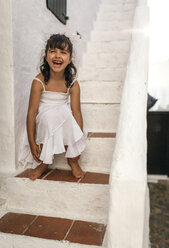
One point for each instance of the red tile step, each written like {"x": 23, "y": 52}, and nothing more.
{"x": 75, "y": 231}
{"x": 101, "y": 135}
{"x": 66, "y": 176}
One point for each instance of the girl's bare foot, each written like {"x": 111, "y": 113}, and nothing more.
{"x": 38, "y": 171}
{"x": 76, "y": 170}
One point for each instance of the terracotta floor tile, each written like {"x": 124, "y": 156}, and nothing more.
{"x": 101, "y": 135}
{"x": 87, "y": 233}
{"x": 49, "y": 228}
{"x": 61, "y": 175}
{"x": 96, "y": 178}
{"x": 45, "y": 173}
{"x": 15, "y": 223}
{"x": 25, "y": 173}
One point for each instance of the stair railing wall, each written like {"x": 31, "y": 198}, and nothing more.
{"x": 128, "y": 223}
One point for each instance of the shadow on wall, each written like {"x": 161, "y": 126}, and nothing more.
{"x": 151, "y": 101}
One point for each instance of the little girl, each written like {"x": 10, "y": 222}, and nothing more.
{"x": 52, "y": 127}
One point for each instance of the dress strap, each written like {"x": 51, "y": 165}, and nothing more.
{"x": 40, "y": 82}
{"x": 72, "y": 83}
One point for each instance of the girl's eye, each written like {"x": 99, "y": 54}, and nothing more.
{"x": 63, "y": 52}
{"x": 51, "y": 50}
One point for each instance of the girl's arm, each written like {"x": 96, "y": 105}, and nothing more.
{"x": 31, "y": 118}
{"x": 75, "y": 104}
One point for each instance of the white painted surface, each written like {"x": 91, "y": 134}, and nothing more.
{"x": 2, "y": 201}
{"x": 103, "y": 74}
{"x": 156, "y": 178}
{"x": 115, "y": 26}
{"x": 33, "y": 23}
{"x": 117, "y": 7}
{"x": 78, "y": 201}
{"x": 104, "y": 92}
{"x": 12, "y": 240}
{"x": 7, "y": 147}
{"x": 107, "y": 36}
{"x": 90, "y": 159}
{"x": 116, "y": 15}
{"x": 158, "y": 82}
{"x": 128, "y": 223}
{"x": 122, "y": 192}
{"x": 101, "y": 59}
{"x": 158, "y": 85}
{"x": 93, "y": 117}
{"x": 111, "y": 46}
{"x": 119, "y": 1}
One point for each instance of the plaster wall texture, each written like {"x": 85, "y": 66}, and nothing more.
{"x": 33, "y": 23}
{"x": 158, "y": 81}
{"x": 159, "y": 85}
{"x": 7, "y": 146}
{"x": 13, "y": 240}
{"x": 129, "y": 201}
{"x": 91, "y": 159}
{"x": 47, "y": 196}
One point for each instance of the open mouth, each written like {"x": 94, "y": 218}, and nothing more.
{"x": 58, "y": 63}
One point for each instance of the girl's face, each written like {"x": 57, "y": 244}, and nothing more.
{"x": 58, "y": 59}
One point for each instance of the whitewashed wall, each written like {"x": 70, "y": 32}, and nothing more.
{"x": 128, "y": 224}
{"x": 33, "y": 23}
{"x": 158, "y": 82}
{"x": 7, "y": 159}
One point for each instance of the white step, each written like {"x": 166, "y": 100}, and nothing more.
{"x": 100, "y": 117}
{"x": 118, "y": 1}
{"x": 101, "y": 59}
{"x": 112, "y": 46}
{"x": 101, "y": 92}
{"x": 122, "y": 15}
{"x": 90, "y": 159}
{"x": 22, "y": 241}
{"x": 70, "y": 200}
{"x": 112, "y": 26}
{"x": 3, "y": 187}
{"x": 102, "y": 74}
{"x": 110, "y": 36}
{"x": 116, "y": 7}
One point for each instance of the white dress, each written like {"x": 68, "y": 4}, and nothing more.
{"x": 55, "y": 129}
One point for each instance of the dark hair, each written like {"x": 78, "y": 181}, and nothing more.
{"x": 61, "y": 42}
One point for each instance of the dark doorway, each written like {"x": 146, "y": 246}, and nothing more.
{"x": 158, "y": 142}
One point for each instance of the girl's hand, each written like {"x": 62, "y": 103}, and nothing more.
{"x": 36, "y": 152}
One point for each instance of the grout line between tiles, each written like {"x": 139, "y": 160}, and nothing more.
{"x": 29, "y": 225}
{"x": 69, "y": 230}
{"x": 47, "y": 174}
{"x": 81, "y": 178}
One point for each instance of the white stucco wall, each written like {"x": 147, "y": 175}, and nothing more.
{"x": 128, "y": 224}
{"x": 158, "y": 82}
{"x": 33, "y": 23}
{"x": 6, "y": 89}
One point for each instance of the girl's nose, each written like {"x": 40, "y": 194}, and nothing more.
{"x": 57, "y": 54}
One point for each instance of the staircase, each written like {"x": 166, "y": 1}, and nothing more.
{"x": 58, "y": 210}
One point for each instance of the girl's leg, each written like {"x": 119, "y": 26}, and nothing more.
{"x": 38, "y": 171}
{"x": 76, "y": 170}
